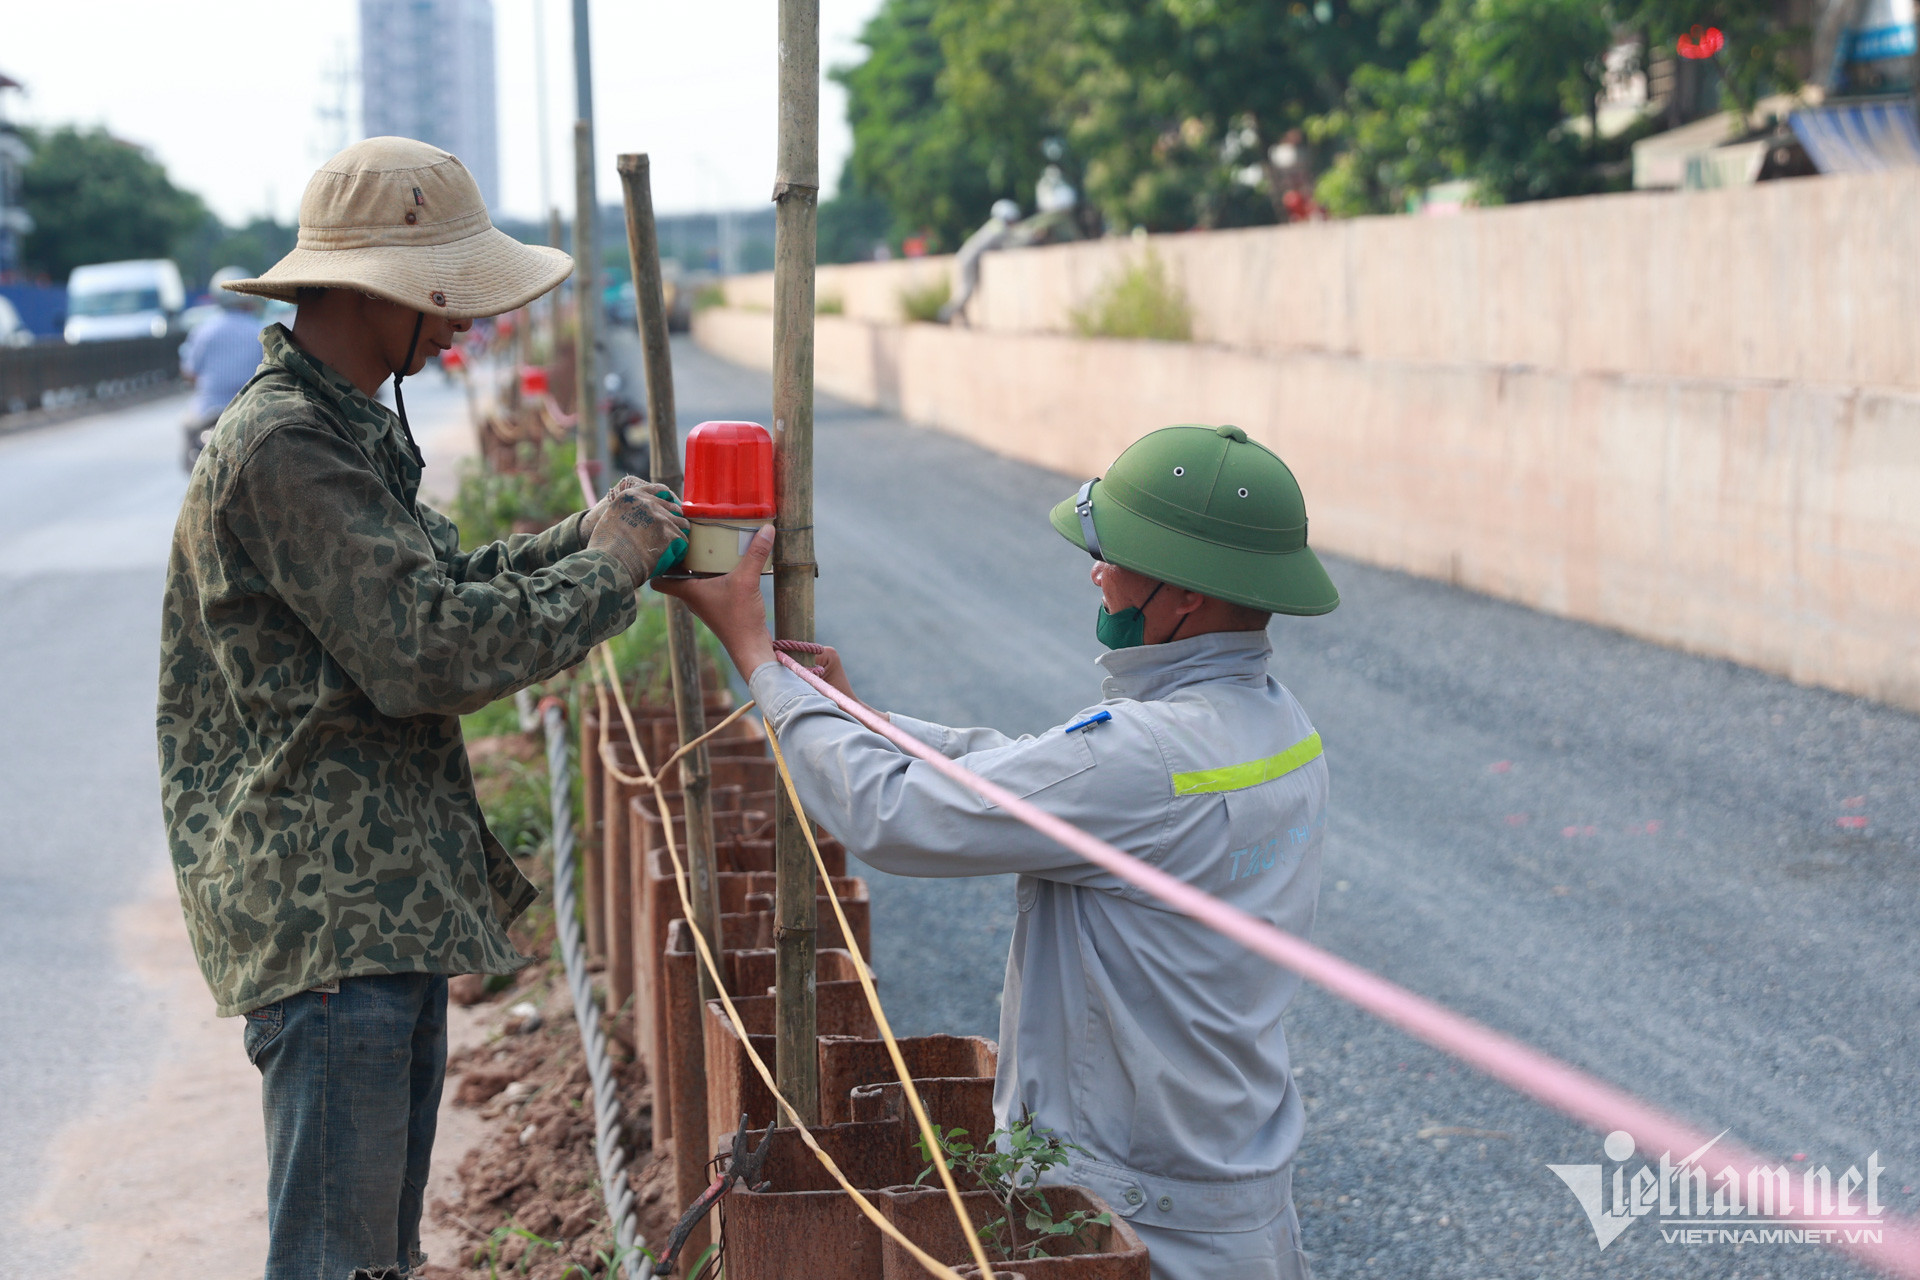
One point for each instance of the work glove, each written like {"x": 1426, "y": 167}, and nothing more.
{"x": 677, "y": 549}
{"x": 590, "y": 518}
{"x": 642, "y": 529}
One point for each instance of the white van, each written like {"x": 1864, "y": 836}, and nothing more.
{"x": 137, "y": 299}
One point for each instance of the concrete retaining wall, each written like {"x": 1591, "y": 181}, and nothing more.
{"x": 1771, "y": 520}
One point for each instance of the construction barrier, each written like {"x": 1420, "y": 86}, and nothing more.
{"x": 53, "y": 375}
{"x": 1529, "y": 1071}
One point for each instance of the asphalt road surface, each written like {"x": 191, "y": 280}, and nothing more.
{"x": 1630, "y": 857}
{"x": 87, "y": 508}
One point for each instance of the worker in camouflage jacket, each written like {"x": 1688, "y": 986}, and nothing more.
{"x": 323, "y": 633}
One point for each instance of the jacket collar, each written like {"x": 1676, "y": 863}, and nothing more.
{"x": 1150, "y": 671}
{"x": 373, "y": 426}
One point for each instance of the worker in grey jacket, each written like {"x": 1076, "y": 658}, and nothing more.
{"x": 1146, "y": 1039}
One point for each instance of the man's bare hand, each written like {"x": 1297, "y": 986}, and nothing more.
{"x": 731, "y": 605}
{"x": 829, "y": 668}
{"x": 637, "y": 528}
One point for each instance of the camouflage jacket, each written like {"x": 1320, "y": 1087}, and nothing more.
{"x": 322, "y": 634}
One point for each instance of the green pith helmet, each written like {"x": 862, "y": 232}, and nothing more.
{"x": 1207, "y": 509}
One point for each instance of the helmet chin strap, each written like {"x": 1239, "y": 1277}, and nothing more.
{"x": 399, "y": 402}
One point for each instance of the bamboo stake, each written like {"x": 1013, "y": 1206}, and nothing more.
{"x": 796, "y": 191}
{"x": 554, "y": 239}
{"x": 643, "y": 252}
{"x": 586, "y": 310}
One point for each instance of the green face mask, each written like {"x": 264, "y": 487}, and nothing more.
{"x": 1126, "y": 629}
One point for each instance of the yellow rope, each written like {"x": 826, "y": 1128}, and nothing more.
{"x": 627, "y": 779}
{"x": 935, "y": 1151}
{"x": 920, "y": 1255}
{"x": 674, "y": 759}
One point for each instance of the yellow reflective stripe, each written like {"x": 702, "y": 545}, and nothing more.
{"x": 1237, "y": 777}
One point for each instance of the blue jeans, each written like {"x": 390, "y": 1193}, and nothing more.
{"x": 350, "y": 1083}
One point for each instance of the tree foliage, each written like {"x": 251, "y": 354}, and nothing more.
{"x": 851, "y": 225}
{"x": 1487, "y": 99}
{"x": 1166, "y": 113}
{"x": 94, "y": 198}
{"x": 212, "y": 244}
{"x": 911, "y": 147}
{"x": 1199, "y": 92}
{"x": 1506, "y": 94}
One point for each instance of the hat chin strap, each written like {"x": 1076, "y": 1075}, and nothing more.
{"x": 399, "y": 401}
{"x": 1083, "y": 507}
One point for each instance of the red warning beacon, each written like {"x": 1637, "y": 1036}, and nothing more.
{"x": 729, "y": 492}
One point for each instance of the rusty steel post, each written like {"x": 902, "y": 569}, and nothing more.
{"x": 689, "y": 699}
{"x": 796, "y": 192}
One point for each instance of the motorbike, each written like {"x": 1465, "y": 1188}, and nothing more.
{"x": 627, "y": 426}
{"x": 195, "y": 434}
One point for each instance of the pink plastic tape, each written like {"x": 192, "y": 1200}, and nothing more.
{"x": 1545, "y": 1079}
{"x": 1539, "y": 1076}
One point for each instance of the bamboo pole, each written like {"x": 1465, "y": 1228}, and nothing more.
{"x": 586, "y": 240}
{"x": 557, "y": 241}
{"x": 689, "y": 705}
{"x": 796, "y": 191}
{"x": 586, "y": 309}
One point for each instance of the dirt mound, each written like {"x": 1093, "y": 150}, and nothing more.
{"x": 530, "y": 1202}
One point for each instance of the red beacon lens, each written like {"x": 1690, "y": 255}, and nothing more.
{"x": 729, "y": 472}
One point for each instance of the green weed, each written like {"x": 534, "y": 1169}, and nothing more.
{"x": 612, "y": 1261}
{"x": 1140, "y": 300}
{"x": 488, "y": 503}
{"x": 491, "y": 721}
{"x": 1010, "y": 1166}
{"x": 921, "y": 303}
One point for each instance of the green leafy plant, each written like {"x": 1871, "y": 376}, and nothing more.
{"x": 1010, "y": 1167}
{"x": 612, "y": 1261}
{"x": 921, "y": 303}
{"x": 1141, "y": 300}
{"x": 541, "y": 488}
{"x": 491, "y": 721}
{"x": 829, "y": 304}
{"x": 518, "y": 810}
{"x": 496, "y": 1245}
{"x": 711, "y": 295}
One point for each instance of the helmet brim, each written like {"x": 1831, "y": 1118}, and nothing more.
{"x": 1291, "y": 582}
{"x": 484, "y": 274}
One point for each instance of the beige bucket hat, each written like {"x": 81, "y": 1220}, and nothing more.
{"x": 404, "y": 221}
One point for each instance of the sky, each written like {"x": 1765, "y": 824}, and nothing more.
{"x": 233, "y": 96}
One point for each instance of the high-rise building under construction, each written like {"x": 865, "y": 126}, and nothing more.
{"x": 426, "y": 72}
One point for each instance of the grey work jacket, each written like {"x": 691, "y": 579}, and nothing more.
{"x": 1137, "y": 1033}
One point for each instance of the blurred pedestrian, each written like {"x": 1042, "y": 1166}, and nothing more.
{"x": 966, "y": 263}
{"x": 322, "y": 634}
{"x": 217, "y": 359}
